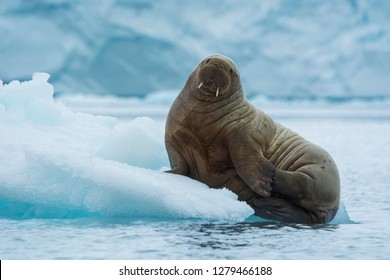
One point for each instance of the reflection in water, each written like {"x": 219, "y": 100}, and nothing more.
{"x": 215, "y": 238}
{"x": 188, "y": 239}
{"x": 200, "y": 239}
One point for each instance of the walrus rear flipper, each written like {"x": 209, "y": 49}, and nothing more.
{"x": 282, "y": 210}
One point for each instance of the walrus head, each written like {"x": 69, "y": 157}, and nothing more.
{"x": 216, "y": 76}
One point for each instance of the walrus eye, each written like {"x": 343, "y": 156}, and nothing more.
{"x": 207, "y": 61}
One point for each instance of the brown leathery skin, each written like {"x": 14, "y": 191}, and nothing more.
{"x": 214, "y": 135}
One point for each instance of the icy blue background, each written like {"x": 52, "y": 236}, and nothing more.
{"x": 81, "y": 175}
{"x": 337, "y": 49}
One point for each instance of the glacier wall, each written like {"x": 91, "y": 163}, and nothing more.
{"x": 337, "y": 49}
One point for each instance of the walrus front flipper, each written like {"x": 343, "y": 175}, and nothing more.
{"x": 254, "y": 169}
{"x": 178, "y": 164}
{"x": 281, "y": 210}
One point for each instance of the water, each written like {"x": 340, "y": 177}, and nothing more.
{"x": 181, "y": 239}
{"x": 188, "y": 239}
{"x": 359, "y": 141}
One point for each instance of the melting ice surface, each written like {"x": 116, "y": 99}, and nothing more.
{"x": 58, "y": 164}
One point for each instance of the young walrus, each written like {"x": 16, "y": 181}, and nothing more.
{"x": 214, "y": 135}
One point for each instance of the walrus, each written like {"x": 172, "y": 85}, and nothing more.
{"x": 214, "y": 135}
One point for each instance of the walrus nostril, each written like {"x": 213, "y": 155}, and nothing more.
{"x": 219, "y": 65}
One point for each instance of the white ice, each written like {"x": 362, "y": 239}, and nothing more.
{"x": 59, "y": 163}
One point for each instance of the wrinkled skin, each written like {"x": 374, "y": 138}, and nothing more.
{"x": 214, "y": 135}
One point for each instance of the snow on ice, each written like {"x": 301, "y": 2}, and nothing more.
{"x": 57, "y": 163}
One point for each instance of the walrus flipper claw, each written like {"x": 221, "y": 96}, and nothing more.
{"x": 259, "y": 176}
{"x": 256, "y": 171}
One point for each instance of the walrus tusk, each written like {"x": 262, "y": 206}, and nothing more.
{"x": 200, "y": 85}
{"x": 217, "y": 93}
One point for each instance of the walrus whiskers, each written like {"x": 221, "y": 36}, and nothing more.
{"x": 217, "y": 93}
{"x": 200, "y": 85}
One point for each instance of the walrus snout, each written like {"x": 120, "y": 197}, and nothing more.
{"x": 213, "y": 80}
{"x": 211, "y": 85}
